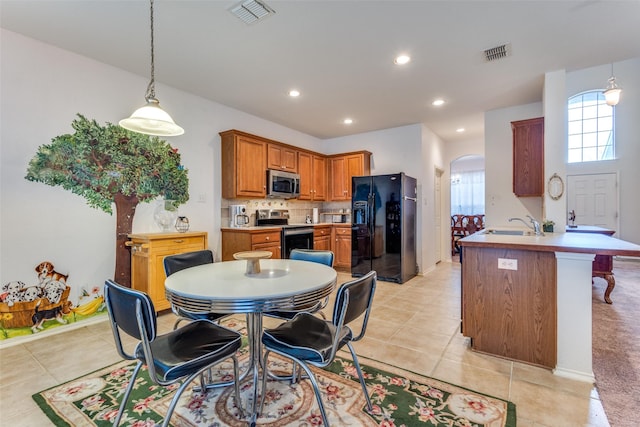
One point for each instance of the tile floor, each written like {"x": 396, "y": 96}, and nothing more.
{"x": 414, "y": 325}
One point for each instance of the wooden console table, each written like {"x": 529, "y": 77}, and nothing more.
{"x": 602, "y": 264}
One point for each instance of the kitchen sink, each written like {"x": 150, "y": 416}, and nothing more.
{"x": 509, "y": 232}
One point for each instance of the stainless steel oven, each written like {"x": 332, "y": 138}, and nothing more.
{"x": 291, "y": 236}
{"x": 295, "y": 237}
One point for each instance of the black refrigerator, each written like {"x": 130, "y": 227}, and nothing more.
{"x": 383, "y": 228}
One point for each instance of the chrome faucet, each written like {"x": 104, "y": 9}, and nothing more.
{"x": 536, "y": 224}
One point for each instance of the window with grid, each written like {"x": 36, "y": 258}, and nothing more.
{"x": 591, "y": 128}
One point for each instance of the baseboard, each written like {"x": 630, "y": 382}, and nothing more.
{"x": 575, "y": 375}
{"x": 54, "y": 331}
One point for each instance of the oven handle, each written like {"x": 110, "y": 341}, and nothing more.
{"x": 296, "y": 231}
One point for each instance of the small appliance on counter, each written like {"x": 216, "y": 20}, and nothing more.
{"x": 238, "y": 216}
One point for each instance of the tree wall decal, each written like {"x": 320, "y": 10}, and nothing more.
{"x": 109, "y": 164}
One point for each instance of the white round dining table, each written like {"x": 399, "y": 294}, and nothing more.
{"x": 226, "y": 287}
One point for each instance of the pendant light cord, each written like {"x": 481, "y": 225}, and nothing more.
{"x": 151, "y": 90}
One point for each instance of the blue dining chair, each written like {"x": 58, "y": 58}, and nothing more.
{"x": 175, "y": 263}
{"x": 202, "y": 344}
{"x": 311, "y": 255}
{"x": 310, "y": 340}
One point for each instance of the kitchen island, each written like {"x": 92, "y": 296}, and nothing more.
{"x": 528, "y": 297}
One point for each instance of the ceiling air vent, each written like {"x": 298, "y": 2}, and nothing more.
{"x": 250, "y": 11}
{"x": 497, "y": 52}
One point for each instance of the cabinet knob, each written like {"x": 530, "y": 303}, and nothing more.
{"x": 267, "y": 238}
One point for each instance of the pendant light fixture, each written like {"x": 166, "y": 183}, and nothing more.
{"x": 151, "y": 119}
{"x": 612, "y": 92}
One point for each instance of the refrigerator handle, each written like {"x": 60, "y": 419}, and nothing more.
{"x": 372, "y": 210}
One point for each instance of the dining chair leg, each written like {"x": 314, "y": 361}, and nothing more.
{"x": 310, "y": 377}
{"x": 236, "y": 378}
{"x": 127, "y": 392}
{"x": 176, "y": 397}
{"x": 316, "y": 390}
{"x": 360, "y": 376}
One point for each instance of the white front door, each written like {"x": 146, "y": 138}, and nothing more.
{"x": 594, "y": 198}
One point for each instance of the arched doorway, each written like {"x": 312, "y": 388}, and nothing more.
{"x": 466, "y": 196}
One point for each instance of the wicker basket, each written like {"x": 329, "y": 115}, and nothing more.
{"x": 22, "y": 312}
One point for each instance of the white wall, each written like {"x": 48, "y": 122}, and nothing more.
{"x": 555, "y": 151}
{"x": 414, "y": 150}
{"x": 627, "y": 133}
{"x": 43, "y": 88}
{"x": 500, "y": 202}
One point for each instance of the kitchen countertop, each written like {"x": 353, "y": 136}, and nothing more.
{"x": 555, "y": 242}
{"x": 279, "y": 227}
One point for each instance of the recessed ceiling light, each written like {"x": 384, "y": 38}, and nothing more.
{"x": 347, "y": 121}
{"x": 402, "y": 59}
{"x": 438, "y": 102}
{"x": 294, "y": 93}
{"x": 460, "y": 130}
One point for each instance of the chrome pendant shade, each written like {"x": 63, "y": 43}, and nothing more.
{"x": 612, "y": 91}
{"x": 151, "y": 119}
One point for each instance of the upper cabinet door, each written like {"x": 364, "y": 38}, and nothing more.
{"x": 243, "y": 166}
{"x": 319, "y": 177}
{"x": 306, "y": 176}
{"x": 338, "y": 178}
{"x": 343, "y": 168}
{"x": 313, "y": 176}
{"x": 528, "y": 157}
{"x": 282, "y": 158}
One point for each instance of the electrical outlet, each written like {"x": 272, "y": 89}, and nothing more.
{"x": 202, "y": 198}
{"x": 507, "y": 264}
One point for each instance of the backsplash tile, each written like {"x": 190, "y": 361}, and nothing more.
{"x": 298, "y": 209}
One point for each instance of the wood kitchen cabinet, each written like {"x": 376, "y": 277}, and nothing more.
{"x": 239, "y": 240}
{"x": 528, "y": 157}
{"x": 244, "y": 165}
{"x": 147, "y": 260}
{"x": 343, "y": 167}
{"x": 282, "y": 157}
{"x": 510, "y": 311}
{"x": 322, "y": 237}
{"x": 313, "y": 176}
{"x": 342, "y": 247}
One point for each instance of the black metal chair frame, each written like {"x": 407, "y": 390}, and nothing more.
{"x": 173, "y": 264}
{"x": 139, "y": 322}
{"x": 346, "y": 310}
{"x": 312, "y": 255}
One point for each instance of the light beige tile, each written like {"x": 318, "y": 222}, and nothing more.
{"x": 478, "y": 379}
{"x": 550, "y": 407}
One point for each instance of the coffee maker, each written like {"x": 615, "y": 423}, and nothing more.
{"x": 238, "y": 216}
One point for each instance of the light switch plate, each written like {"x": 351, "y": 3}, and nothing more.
{"x": 507, "y": 264}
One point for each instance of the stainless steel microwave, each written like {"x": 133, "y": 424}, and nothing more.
{"x": 282, "y": 185}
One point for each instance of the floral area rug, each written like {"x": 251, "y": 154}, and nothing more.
{"x": 400, "y": 398}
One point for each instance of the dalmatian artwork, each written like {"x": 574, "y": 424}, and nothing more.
{"x": 12, "y": 292}
{"x": 32, "y": 305}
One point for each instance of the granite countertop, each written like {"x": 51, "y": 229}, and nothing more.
{"x": 555, "y": 242}
{"x": 279, "y": 227}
